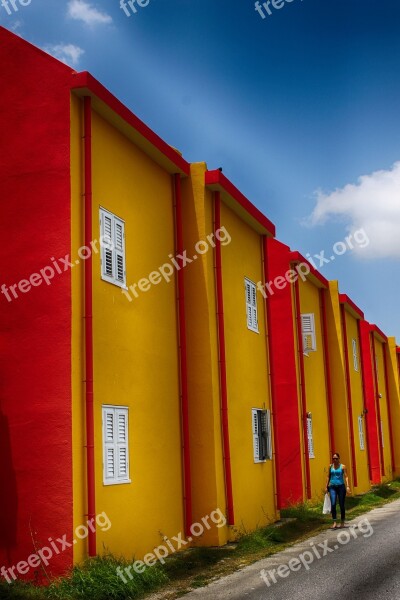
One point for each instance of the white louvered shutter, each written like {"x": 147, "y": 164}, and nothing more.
{"x": 122, "y": 444}
{"x": 119, "y": 250}
{"x": 113, "y": 267}
{"x": 109, "y": 446}
{"x": 256, "y": 436}
{"x": 107, "y": 242}
{"x": 251, "y": 305}
{"x": 310, "y": 438}
{"x": 361, "y": 432}
{"x": 308, "y": 332}
{"x": 116, "y": 447}
{"x": 355, "y": 354}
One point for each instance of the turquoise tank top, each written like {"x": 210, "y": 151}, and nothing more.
{"x": 337, "y": 476}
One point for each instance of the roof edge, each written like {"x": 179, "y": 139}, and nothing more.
{"x": 319, "y": 279}
{"x": 351, "y": 306}
{"x": 217, "y": 181}
{"x": 84, "y": 83}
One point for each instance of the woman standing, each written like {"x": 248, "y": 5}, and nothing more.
{"x": 337, "y": 488}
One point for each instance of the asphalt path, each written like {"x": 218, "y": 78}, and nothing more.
{"x": 360, "y": 561}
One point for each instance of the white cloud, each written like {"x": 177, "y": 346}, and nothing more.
{"x": 373, "y": 204}
{"x": 67, "y": 53}
{"x": 84, "y": 11}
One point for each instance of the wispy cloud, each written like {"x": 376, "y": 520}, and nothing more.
{"x": 84, "y": 11}
{"x": 372, "y": 204}
{"x": 67, "y": 53}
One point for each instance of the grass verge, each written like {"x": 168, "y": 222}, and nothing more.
{"x": 97, "y": 578}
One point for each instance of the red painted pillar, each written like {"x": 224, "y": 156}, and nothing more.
{"x": 285, "y": 399}
{"x": 90, "y": 459}
{"x": 377, "y": 402}
{"x": 370, "y": 404}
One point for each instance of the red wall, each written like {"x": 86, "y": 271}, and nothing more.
{"x": 35, "y": 329}
{"x": 283, "y": 379}
{"x": 370, "y": 403}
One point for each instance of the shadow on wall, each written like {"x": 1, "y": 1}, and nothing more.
{"x": 8, "y": 495}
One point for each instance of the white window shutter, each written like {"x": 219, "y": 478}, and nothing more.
{"x": 361, "y": 432}
{"x": 115, "y": 445}
{"x": 262, "y": 438}
{"x": 355, "y": 354}
{"x": 251, "y": 305}
{"x": 308, "y": 332}
{"x": 256, "y": 436}
{"x": 107, "y": 243}
{"x": 310, "y": 438}
{"x": 122, "y": 443}
{"x": 110, "y": 463}
{"x": 109, "y": 444}
{"x": 119, "y": 250}
{"x": 113, "y": 260}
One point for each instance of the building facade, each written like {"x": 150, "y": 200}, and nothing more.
{"x": 163, "y": 355}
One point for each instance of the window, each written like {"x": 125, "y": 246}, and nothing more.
{"x": 361, "y": 433}
{"x": 308, "y": 333}
{"x": 251, "y": 305}
{"x": 262, "y": 435}
{"x": 115, "y": 445}
{"x": 112, "y": 248}
{"x": 355, "y": 354}
{"x": 310, "y": 439}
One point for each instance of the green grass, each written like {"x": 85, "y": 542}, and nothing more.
{"x": 97, "y": 578}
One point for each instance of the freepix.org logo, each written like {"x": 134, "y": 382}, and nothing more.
{"x": 317, "y": 551}
{"x": 11, "y": 6}
{"x": 264, "y": 8}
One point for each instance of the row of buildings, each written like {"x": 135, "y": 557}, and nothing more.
{"x": 163, "y": 354}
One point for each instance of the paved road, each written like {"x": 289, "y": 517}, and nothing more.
{"x": 361, "y": 561}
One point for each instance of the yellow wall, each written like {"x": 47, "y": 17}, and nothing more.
{"x": 253, "y": 484}
{"x": 247, "y": 373}
{"x": 357, "y": 398}
{"x": 383, "y": 402}
{"x": 208, "y": 488}
{"x": 135, "y": 346}
{"x": 338, "y": 377}
{"x": 394, "y": 393}
{"x": 316, "y": 392}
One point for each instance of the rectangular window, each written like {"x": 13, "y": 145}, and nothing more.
{"x": 361, "y": 432}
{"x": 115, "y": 445}
{"x": 251, "y": 305}
{"x": 262, "y": 435}
{"x": 310, "y": 438}
{"x": 355, "y": 354}
{"x": 308, "y": 333}
{"x": 112, "y": 248}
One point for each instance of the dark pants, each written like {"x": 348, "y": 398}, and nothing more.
{"x": 338, "y": 492}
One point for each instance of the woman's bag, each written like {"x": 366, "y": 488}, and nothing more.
{"x": 327, "y": 505}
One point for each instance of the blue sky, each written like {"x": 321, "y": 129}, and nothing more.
{"x": 301, "y": 109}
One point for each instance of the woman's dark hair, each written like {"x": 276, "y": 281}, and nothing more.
{"x": 336, "y": 454}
